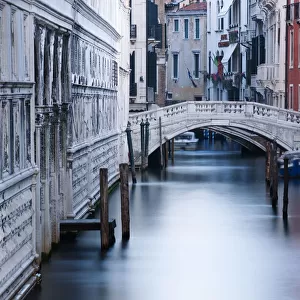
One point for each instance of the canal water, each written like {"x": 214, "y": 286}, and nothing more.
{"x": 201, "y": 229}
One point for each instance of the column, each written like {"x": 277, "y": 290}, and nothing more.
{"x": 39, "y": 55}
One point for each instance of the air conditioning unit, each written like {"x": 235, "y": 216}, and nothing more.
{"x": 169, "y": 96}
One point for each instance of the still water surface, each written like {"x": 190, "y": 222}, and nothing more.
{"x": 202, "y": 229}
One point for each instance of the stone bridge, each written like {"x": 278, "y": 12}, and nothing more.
{"x": 241, "y": 119}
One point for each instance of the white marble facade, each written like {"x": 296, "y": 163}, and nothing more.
{"x": 64, "y": 82}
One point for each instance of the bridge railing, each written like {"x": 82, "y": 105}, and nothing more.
{"x": 183, "y": 116}
{"x": 248, "y": 109}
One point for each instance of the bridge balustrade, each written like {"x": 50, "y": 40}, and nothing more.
{"x": 268, "y": 121}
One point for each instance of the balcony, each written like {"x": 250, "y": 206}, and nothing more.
{"x": 132, "y": 32}
{"x": 267, "y": 74}
{"x": 292, "y": 13}
{"x": 255, "y": 12}
{"x": 233, "y": 35}
{"x": 246, "y": 36}
{"x": 133, "y": 89}
{"x": 155, "y": 34}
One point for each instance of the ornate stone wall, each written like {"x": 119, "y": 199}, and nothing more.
{"x": 62, "y": 110}
{"x": 17, "y": 168}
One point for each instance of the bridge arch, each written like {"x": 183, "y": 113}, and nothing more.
{"x": 271, "y": 123}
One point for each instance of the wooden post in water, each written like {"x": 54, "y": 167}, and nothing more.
{"x": 142, "y": 125}
{"x": 285, "y": 188}
{"x": 166, "y": 157}
{"x": 104, "y": 209}
{"x": 172, "y": 152}
{"x": 268, "y": 163}
{"x": 130, "y": 149}
{"x": 160, "y": 144}
{"x": 125, "y": 217}
{"x": 271, "y": 167}
{"x": 275, "y": 176}
{"x": 147, "y": 136}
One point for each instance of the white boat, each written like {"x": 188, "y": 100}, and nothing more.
{"x": 293, "y": 163}
{"x": 186, "y": 141}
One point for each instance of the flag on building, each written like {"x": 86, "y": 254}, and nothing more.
{"x": 191, "y": 78}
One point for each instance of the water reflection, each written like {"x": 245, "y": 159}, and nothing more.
{"x": 202, "y": 229}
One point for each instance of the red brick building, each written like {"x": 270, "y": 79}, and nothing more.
{"x": 293, "y": 55}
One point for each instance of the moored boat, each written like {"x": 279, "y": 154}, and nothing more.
{"x": 186, "y": 141}
{"x": 293, "y": 163}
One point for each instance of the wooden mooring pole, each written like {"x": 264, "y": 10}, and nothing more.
{"x": 160, "y": 144}
{"x": 125, "y": 217}
{"x": 275, "y": 176}
{"x": 147, "y": 136}
{"x": 104, "y": 233}
{"x": 268, "y": 163}
{"x": 271, "y": 169}
{"x": 142, "y": 125}
{"x": 166, "y": 152}
{"x": 130, "y": 149}
{"x": 172, "y": 152}
{"x": 285, "y": 188}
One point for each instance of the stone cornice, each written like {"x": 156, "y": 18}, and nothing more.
{"x": 80, "y": 7}
{"x": 56, "y": 14}
{"x": 88, "y": 12}
{"x": 78, "y": 28}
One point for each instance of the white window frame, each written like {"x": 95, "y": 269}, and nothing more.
{"x": 298, "y": 46}
{"x": 291, "y": 96}
{"x": 185, "y": 21}
{"x": 173, "y": 65}
{"x": 195, "y": 23}
{"x": 197, "y": 76}
{"x": 291, "y": 52}
{"x": 298, "y": 97}
{"x": 174, "y": 28}
{"x": 209, "y": 17}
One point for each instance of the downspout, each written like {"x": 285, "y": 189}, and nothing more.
{"x": 146, "y": 79}
{"x": 286, "y": 62}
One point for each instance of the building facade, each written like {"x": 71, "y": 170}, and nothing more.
{"x": 250, "y": 39}
{"x": 293, "y": 56}
{"x": 147, "y": 59}
{"x": 18, "y": 171}
{"x": 64, "y": 77}
{"x": 267, "y": 54}
{"x": 186, "y": 39}
{"x": 227, "y": 23}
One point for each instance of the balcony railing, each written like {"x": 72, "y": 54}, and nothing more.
{"x": 233, "y": 36}
{"x": 268, "y": 72}
{"x": 255, "y": 12}
{"x": 155, "y": 32}
{"x": 133, "y": 31}
{"x": 133, "y": 89}
{"x": 246, "y": 36}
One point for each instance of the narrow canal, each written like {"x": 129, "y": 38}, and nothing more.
{"x": 202, "y": 229}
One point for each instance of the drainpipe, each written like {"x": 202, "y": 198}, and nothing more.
{"x": 287, "y": 63}
{"x": 209, "y": 73}
{"x": 146, "y": 75}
